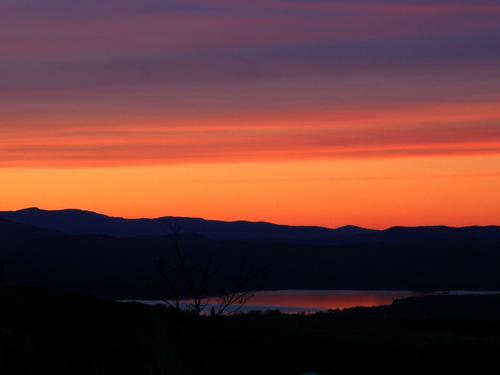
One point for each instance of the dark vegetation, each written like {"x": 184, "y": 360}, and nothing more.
{"x": 52, "y": 332}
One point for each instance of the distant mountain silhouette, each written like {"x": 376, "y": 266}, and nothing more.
{"x": 11, "y": 231}
{"x": 435, "y": 233}
{"x": 428, "y": 258}
{"x": 78, "y": 222}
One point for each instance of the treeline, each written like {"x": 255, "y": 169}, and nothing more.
{"x": 52, "y": 332}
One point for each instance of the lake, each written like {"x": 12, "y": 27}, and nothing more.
{"x": 308, "y": 301}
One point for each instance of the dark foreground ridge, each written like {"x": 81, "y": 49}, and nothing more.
{"x": 53, "y": 332}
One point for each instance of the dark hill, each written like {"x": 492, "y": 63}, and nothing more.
{"x": 15, "y": 232}
{"x": 127, "y": 267}
{"x": 78, "y": 222}
{"x": 53, "y": 332}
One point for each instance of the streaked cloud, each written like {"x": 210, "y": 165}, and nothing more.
{"x": 127, "y": 82}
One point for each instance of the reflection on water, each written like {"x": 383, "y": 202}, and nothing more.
{"x": 313, "y": 300}
{"x": 303, "y": 301}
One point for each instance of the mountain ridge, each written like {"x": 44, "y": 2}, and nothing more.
{"x": 81, "y": 211}
{"x": 127, "y": 267}
{"x": 81, "y": 222}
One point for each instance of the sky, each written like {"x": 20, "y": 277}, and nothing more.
{"x": 313, "y": 112}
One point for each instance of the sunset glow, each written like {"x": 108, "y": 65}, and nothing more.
{"x": 372, "y": 113}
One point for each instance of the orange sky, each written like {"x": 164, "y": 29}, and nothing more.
{"x": 374, "y": 193}
{"x": 372, "y": 113}
{"x": 378, "y": 167}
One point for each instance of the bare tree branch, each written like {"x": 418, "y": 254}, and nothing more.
{"x": 197, "y": 281}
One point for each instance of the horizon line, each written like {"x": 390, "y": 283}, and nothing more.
{"x": 33, "y": 208}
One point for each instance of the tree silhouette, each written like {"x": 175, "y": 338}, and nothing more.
{"x": 191, "y": 284}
